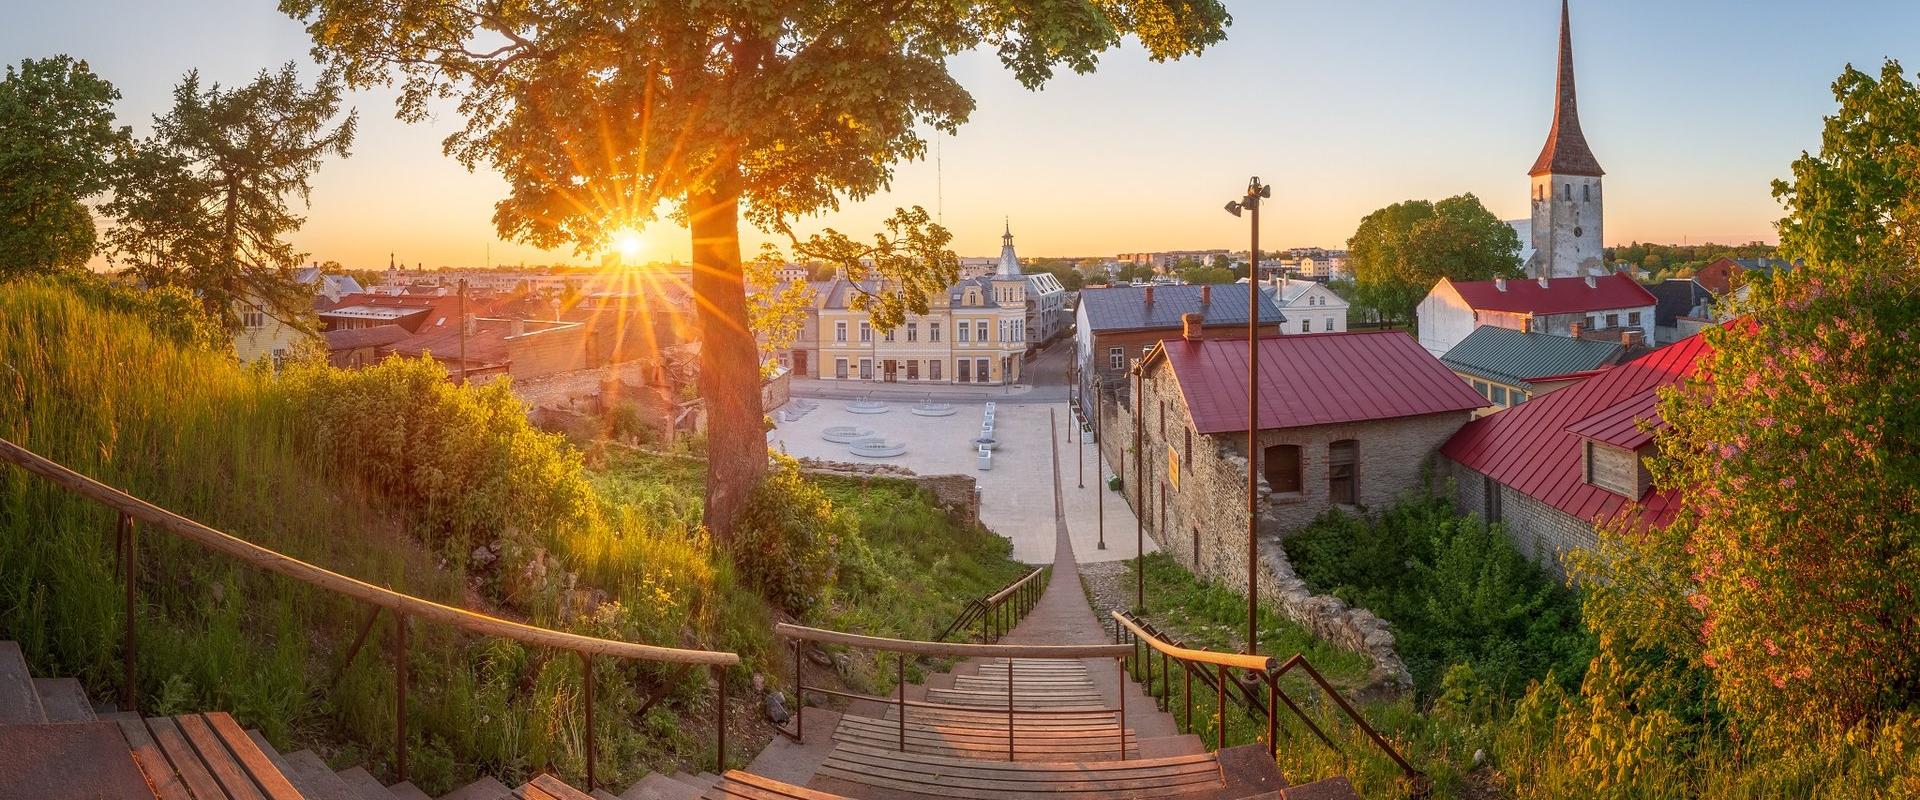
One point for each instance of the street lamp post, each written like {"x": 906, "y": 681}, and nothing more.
{"x": 1256, "y": 192}
{"x": 1100, "y": 438}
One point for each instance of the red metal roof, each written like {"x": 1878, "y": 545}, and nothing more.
{"x": 1314, "y": 379}
{"x": 1534, "y": 448}
{"x": 1561, "y": 295}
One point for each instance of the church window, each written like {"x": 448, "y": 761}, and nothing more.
{"x": 1569, "y": 191}
{"x": 1586, "y": 192}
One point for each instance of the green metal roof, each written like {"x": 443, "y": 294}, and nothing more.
{"x": 1514, "y": 357}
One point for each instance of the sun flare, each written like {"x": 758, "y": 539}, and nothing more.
{"x": 628, "y": 243}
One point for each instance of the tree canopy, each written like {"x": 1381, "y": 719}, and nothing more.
{"x": 602, "y": 113}
{"x": 1858, "y": 199}
{"x": 57, "y": 146}
{"x": 1400, "y": 251}
{"x": 203, "y": 203}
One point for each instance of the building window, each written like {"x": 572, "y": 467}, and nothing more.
{"x": 866, "y": 369}
{"x": 1613, "y": 320}
{"x": 980, "y": 368}
{"x": 1116, "y": 358}
{"x": 840, "y": 332}
{"x": 1613, "y": 469}
{"x": 866, "y": 332}
{"x": 1586, "y": 192}
{"x": 965, "y": 371}
{"x": 1163, "y": 419}
{"x": 913, "y": 332}
{"x": 253, "y": 318}
{"x": 1633, "y": 319}
{"x": 1500, "y": 396}
{"x": 933, "y": 331}
{"x": 840, "y": 368}
{"x": 980, "y": 330}
{"x": 1481, "y": 387}
{"x": 1569, "y": 191}
{"x": 1281, "y": 463}
{"x": 1341, "y": 469}
{"x": 1186, "y": 453}
{"x": 962, "y": 327}
{"x": 1517, "y": 396}
{"x": 1306, "y": 325}
{"x": 889, "y": 336}
{"x": 933, "y": 370}
{"x": 913, "y": 369}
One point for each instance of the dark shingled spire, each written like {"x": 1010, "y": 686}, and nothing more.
{"x": 1566, "y": 152}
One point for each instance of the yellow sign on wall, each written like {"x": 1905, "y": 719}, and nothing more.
{"x": 1173, "y": 467}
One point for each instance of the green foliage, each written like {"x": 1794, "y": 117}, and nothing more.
{"x": 1208, "y": 615}
{"x": 203, "y": 203}
{"x": 1400, "y": 251}
{"x": 1857, "y": 203}
{"x": 1663, "y": 261}
{"x": 1455, "y": 590}
{"x": 1198, "y": 274}
{"x": 788, "y": 540}
{"x": 57, "y": 145}
{"x": 896, "y": 274}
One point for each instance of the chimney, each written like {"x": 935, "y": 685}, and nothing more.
{"x": 1193, "y": 327}
{"x": 1631, "y": 337}
{"x": 1149, "y": 294}
{"x": 1206, "y": 293}
{"x": 1574, "y": 329}
{"x": 1543, "y": 281}
{"x": 1500, "y": 284}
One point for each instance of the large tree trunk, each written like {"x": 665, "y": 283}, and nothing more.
{"x": 729, "y": 359}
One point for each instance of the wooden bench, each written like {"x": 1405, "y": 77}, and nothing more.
{"x": 942, "y": 776}
{"x": 987, "y": 739}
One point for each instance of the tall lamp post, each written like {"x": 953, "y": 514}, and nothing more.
{"x": 1250, "y": 204}
{"x": 1099, "y": 439}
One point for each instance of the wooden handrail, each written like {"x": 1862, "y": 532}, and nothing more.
{"x": 951, "y": 649}
{"x": 1233, "y": 660}
{"x": 1001, "y": 596}
{"x": 408, "y": 605}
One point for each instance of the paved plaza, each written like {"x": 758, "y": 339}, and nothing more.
{"x": 1016, "y": 495}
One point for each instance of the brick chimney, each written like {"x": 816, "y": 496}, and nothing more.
{"x": 1632, "y": 337}
{"x": 1206, "y": 293}
{"x": 1149, "y": 294}
{"x": 1193, "y": 327}
{"x": 1574, "y": 330}
{"x": 1500, "y": 284}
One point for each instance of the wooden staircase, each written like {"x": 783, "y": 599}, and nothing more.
{"x": 55, "y": 743}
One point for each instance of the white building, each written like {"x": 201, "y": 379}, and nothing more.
{"x": 1309, "y": 306}
{"x": 1558, "y": 306}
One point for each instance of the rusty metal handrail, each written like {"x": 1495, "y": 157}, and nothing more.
{"x": 1258, "y": 663}
{"x": 403, "y": 606}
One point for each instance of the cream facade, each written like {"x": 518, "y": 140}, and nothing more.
{"x": 975, "y": 332}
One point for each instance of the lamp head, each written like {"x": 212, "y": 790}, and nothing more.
{"x": 1233, "y": 208}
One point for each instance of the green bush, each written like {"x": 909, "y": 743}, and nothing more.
{"x": 1455, "y": 590}
{"x": 787, "y": 540}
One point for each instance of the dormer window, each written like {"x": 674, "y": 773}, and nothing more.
{"x": 1615, "y": 469}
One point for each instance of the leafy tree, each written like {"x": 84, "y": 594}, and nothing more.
{"x": 1858, "y": 200}
{"x": 57, "y": 143}
{"x": 1401, "y": 250}
{"x": 203, "y": 203}
{"x": 1199, "y": 274}
{"x": 776, "y": 311}
{"x": 598, "y": 112}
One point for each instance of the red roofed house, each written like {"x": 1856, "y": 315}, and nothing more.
{"x": 1550, "y": 469}
{"x": 1559, "y": 306}
{"x": 1347, "y": 419}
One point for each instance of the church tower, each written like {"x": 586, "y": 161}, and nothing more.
{"x": 1566, "y": 185}
{"x": 1009, "y": 266}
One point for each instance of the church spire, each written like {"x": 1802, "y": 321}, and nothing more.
{"x": 1566, "y": 152}
{"x": 1009, "y": 266}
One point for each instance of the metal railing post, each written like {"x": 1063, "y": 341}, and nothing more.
{"x": 130, "y": 642}
{"x": 1186, "y": 678}
{"x": 799, "y": 697}
{"x": 1166, "y": 684}
{"x": 720, "y": 721}
{"x": 900, "y": 664}
{"x": 586, "y": 670}
{"x": 1273, "y": 714}
{"x": 400, "y": 696}
{"x": 1120, "y": 664}
{"x": 1010, "y": 710}
{"x": 1223, "y": 708}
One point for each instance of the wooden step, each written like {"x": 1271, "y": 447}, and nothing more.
{"x": 363, "y": 785}
{"x": 314, "y": 779}
{"x": 77, "y": 760}
{"x": 959, "y": 697}
{"x": 204, "y": 756}
{"x": 1053, "y": 719}
{"x": 658, "y": 786}
{"x": 548, "y": 787}
{"x": 405, "y": 790}
{"x": 987, "y": 742}
{"x": 63, "y": 700}
{"x": 484, "y": 789}
{"x": 1003, "y": 780}
{"x": 738, "y": 785}
{"x": 19, "y": 703}
{"x": 1177, "y": 745}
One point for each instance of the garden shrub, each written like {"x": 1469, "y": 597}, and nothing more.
{"x": 787, "y": 541}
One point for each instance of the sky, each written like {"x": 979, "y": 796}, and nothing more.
{"x": 1692, "y": 106}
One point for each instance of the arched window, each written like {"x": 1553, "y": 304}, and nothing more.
{"x": 1282, "y": 468}
{"x": 1569, "y": 191}
{"x": 1586, "y": 192}
{"x": 1342, "y": 471}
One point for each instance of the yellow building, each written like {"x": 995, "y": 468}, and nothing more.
{"x": 975, "y": 332}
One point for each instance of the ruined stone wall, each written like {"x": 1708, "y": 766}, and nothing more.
{"x": 1539, "y": 531}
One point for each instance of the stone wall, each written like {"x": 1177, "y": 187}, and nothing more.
{"x": 1201, "y": 522}
{"x": 954, "y": 494}
{"x": 777, "y": 390}
{"x": 1541, "y": 532}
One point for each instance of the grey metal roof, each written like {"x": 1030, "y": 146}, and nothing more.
{"x": 1125, "y": 308}
{"x": 1515, "y": 357}
{"x": 1677, "y": 297}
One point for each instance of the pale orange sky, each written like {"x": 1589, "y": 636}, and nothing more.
{"x": 1343, "y": 107}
